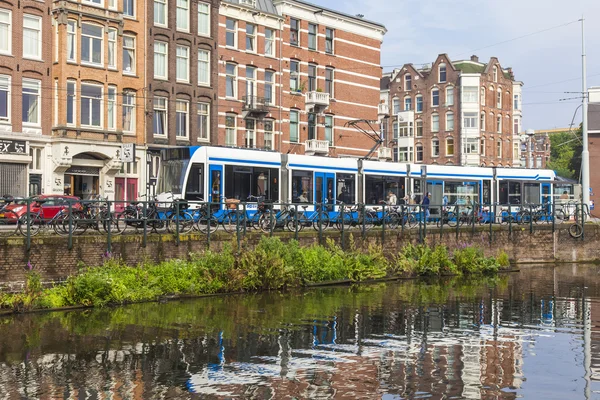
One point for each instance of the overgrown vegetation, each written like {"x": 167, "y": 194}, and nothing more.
{"x": 271, "y": 265}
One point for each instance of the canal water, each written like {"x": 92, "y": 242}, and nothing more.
{"x": 533, "y": 334}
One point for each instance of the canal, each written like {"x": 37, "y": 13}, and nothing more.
{"x": 532, "y": 334}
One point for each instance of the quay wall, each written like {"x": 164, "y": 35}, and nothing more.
{"x": 52, "y": 257}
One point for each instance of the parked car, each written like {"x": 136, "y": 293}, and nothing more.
{"x": 50, "y": 204}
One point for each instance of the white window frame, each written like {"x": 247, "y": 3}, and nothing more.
{"x": 179, "y": 58}
{"x": 270, "y": 36}
{"x": 329, "y": 125}
{"x": 5, "y": 86}
{"x": 205, "y": 15}
{"x": 132, "y": 11}
{"x": 435, "y": 147}
{"x": 36, "y": 36}
{"x": 445, "y": 68}
{"x": 71, "y": 40}
{"x": 419, "y": 128}
{"x": 470, "y": 94}
{"x": 449, "y": 125}
{"x": 296, "y": 124}
{"x": 250, "y": 134}
{"x": 204, "y": 61}
{"x": 111, "y": 108}
{"x": 470, "y": 120}
{"x": 499, "y": 98}
{"x": 233, "y": 77}
{"x": 112, "y": 4}
{"x": 435, "y": 122}
{"x": 186, "y": 113}
{"x": 417, "y": 98}
{"x": 83, "y": 99}
{"x": 483, "y": 92}
{"x": 419, "y": 149}
{"x": 128, "y": 100}
{"x": 165, "y": 59}
{"x": 8, "y": 25}
{"x": 182, "y": 8}
{"x": 270, "y": 87}
{"x": 231, "y": 31}
{"x": 33, "y": 84}
{"x": 203, "y": 120}
{"x": 499, "y": 123}
{"x": 433, "y": 91}
{"x": 407, "y": 103}
{"x": 90, "y": 40}
{"x": 165, "y": 5}
{"x": 482, "y": 121}
{"x": 499, "y": 148}
{"x": 112, "y": 48}
{"x": 449, "y": 96}
{"x": 407, "y": 82}
{"x": 297, "y": 30}
{"x": 251, "y": 42}
{"x": 495, "y": 73}
{"x": 98, "y": 3}
{"x": 313, "y": 35}
{"x": 230, "y": 130}
{"x": 160, "y": 105}
{"x": 71, "y": 96}
{"x": 268, "y": 134}
{"x": 130, "y": 49}
{"x": 449, "y": 141}
{"x": 331, "y": 40}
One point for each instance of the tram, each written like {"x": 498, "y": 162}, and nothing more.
{"x": 205, "y": 173}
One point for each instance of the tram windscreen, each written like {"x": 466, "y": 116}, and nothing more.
{"x": 172, "y": 173}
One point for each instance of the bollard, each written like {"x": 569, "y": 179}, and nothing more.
{"x": 144, "y": 222}
{"x": 70, "y": 245}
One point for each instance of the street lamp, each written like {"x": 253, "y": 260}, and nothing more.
{"x": 530, "y": 134}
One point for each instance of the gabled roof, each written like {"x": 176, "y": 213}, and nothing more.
{"x": 384, "y": 82}
{"x": 354, "y": 17}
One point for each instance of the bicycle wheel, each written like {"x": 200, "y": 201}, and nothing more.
{"x": 111, "y": 220}
{"x": 60, "y": 224}
{"x": 232, "y": 221}
{"x": 392, "y": 220}
{"x": 185, "y": 221}
{"x": 344, "y": 221}
{"x": 35, "y": 223}
{"x": 561, "y": 216}
{"x": 322, "y": 219}
{"x": 411, "y": 221}
{"x": 205, "y": 225}
{"x": 8, "y": 227}
{"x": 267, "y": 222}
{"x": 293, "y": 224}
{"x": 576, "y": 230}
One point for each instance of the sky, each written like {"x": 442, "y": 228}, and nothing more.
{"x": 546, "y": 57}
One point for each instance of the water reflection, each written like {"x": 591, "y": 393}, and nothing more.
{"x": 534, "y": 334}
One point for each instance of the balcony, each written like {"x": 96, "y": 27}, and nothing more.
{"x": 318, "y": 101}
{"x": 384, "y": 153}
{"x": 313, "y": 147}
{"x": 383, "y": 109}
{"x": 255, "y": 106}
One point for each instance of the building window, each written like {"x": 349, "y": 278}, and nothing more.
{"x": 515, "y": 151}
{"x": 405, "y": 154}
{"x": 128, "y": 112}
{"x": 112, "y": 4}
{"x": 419, "y": 125}
{"x": 269, "y": 87}
{"x": 449, "y": 96}
{"x": 203, "y": 121}
{"x": 294, "y": 126}
{"x": 269, "y": 42}
{"x": 4, "y": 98}
{"x": 312, "y": 37}
{"x": 91, "y": 105}
{"x": 435, "y": 123}
{"x": 516, "y": 126}
{"x": 112, "y": 108}
{"x": 129, "y": 8}
{"x": 159, "y": 118}
{"x": 32, "y": 36}
{"x": 294, "y": 75}
{"x": 128, "y": 54}
{"x": 71, "y": 103}
{"x": 160, "y": 60}
{"x": 72, "y": 40}
{"x": 250, "y": 138}
{"x": 483, "y": 96}
{"x": 329, "y": 129}
{"x": 435, "y": 97}
{"x": 495, "y": 73}
{"x": 481, "y": 146}
{"x": 469, "y": 94}
{"x": 182, "y": 64}
{"x": 407, "y": 103}
{"x": 5, "y": 31}
{"x": 181, "y": 118}
{"x": 482, "y": 121}
{"x": 328, "y": 40}
{"x": 407, "y": 82}
{"x": 395, "y": 105}
{"x": 251, "y": 38}
{"x": 230, "y": 130}
{"x": 435, "y": 147}
{"x": 395, "y": 132}
{"x": 112, "y": 48}
{"x": 160, "y": 12}
{"x": 203, "y": 19}
{"x": 499, "y": 148}
{"x": 470, "y": 145}
{"x": 449, "y": 146}
{"x": 442, "y": 73}
{"x": 31, "y": 101}
{"x": 183, "y": 15}
{"x": 312, "y": 77}
{"x": 203, "y": 67}
{"x": 419, "y": 153}
{"x": 91, "y": 44}
{"x": 294, "y": 30}
{"x": 419, "y": 101}
{"x": 231, "y": 80}
{"x": 230, "y": 32}
{"x": 449, "y": 121}
{"x": 312, "y": 126}
{"x": 268, "y": 135}
{"x": 516, "y": 102}
{"x": 470, "y": 120}
{"x": 499, "y": 124}
{"x": 250, "y": 83}
{"x": 499, "y": 98}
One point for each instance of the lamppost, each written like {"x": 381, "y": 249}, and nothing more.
{"x": 528, "y": 140}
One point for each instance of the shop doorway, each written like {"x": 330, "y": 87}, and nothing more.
{"x": 83, "y": 182}
{"x": 123, "y": 196}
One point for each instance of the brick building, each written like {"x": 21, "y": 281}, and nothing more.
{"x": 535, "y": 149}
{"x": 25, "y": 96}
{"x": 452, "y": 112}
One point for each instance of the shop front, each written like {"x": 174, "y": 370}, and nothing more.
{"x": 82, "y": 181}
{"x": 14, "y": 161}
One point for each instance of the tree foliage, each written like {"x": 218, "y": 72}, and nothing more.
{"x": 565, "y": 153}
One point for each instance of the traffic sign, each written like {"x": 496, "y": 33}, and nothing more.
{"x": 128, "y": 152}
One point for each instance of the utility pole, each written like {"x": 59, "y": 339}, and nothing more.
{"x": 585, "y": 154}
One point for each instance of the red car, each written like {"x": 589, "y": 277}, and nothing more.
{"x": 50, "y": 205}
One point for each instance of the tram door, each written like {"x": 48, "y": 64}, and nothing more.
{"x": 325, "y": 189}
{"x": 546, "y": 196}
{"x": 436, "y": 188}
{"x": 215, "y": 185}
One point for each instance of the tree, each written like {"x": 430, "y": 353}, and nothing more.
{"x": 565, "y": 153}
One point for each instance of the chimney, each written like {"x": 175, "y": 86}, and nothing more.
{"x": 474, "y": 58}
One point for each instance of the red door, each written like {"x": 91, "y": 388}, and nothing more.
{"x": 122, "y": 197}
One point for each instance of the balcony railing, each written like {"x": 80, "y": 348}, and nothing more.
{"x": 314, "y": 146}
{"x": 384, "y": 153}
{"x": 255, "y": 103}
{"x": 314, "y": 98}
{"x": 383, "y": 109}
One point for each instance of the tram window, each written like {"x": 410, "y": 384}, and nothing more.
{"x": 510, "y": 192}
{"x": 418, "y": 193}
{"x": 302, "y": 184}
{"x": 194, "y": 189}
{"x": 172, "y": 173}
{"x": 461, "y": 192}
{"x": 377, "y": 188}
{"x": 531, "y": 193}
{"x": 487, "y": 192}
{"x": 346, "y": 185}
{"x": 243, "y": 182}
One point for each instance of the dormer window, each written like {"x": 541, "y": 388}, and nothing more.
{"x": 407, "y": 82}
{"x": 442, "y": 73}
{"x": 495, "y": 73}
